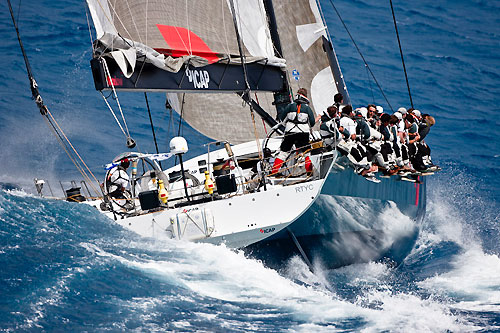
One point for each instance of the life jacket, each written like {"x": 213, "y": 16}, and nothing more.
{"x": 329, "y": 130}
{"x": 363, "y": 129}
{"x": 325, "y": 117}
{"x": 296, "y": 121}
{"x": 387, "y": 134}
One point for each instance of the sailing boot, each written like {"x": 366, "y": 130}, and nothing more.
{"x": 308, "y": 165}
{"x": 277, "y": 165}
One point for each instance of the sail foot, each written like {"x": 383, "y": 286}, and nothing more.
{"x": 217, "y": 77}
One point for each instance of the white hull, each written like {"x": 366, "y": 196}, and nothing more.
{"x": 237, "y": 222}
{"x": 238, "y": 219}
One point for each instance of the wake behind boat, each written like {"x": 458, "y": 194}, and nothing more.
{"x": 253, "y": 193}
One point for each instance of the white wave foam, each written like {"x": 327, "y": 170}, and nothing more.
{"x": 46, "y": 297}
{"x": 21, "y": 193}
{"x": 222, "y": 274}
{"x": 219, "y": 273}
{"x": 297, "y": 270}
{"x": 411, "y": 313}
{"x": 474, "y": 281}
{"x": 447, "y": 225}
{"x": 359, "y": 275}
{"x": 395, "y": 224}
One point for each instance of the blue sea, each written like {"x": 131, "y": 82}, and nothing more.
{"x": 66, "y": 268}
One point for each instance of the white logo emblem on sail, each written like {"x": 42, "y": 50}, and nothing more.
{"x": 307, "y": 34}
{"x": 200, "y": 79}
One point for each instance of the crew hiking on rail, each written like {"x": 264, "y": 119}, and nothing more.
{"x": 371, "y": 140}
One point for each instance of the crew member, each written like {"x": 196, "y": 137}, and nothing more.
{"x": 298, "y": 119}
{"x": 338, "y": 101}
{"x": 387, "y": 156}
{"x": 263, "y": 167}
{"x": 117, "y": 179}
{"x": 425, "y": 125}
{"x": 330, "y": 132}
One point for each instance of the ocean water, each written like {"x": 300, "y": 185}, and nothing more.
{"x": 65, "y": 267}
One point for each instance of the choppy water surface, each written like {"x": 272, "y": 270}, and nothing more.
{"x": 65, "y": 267}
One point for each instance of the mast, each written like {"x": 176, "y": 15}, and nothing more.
{"x": 337, "y": 73}
{"x": 334, "y": 62}
{"x": 281, "y": 98}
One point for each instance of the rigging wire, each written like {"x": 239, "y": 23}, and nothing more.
{"x": 146, "y": 26}
{"x": 362, "y": 57}
{"x": 73, "y": 148}
{"x": 171, "y": 126}
{"x": 263, "y": 122}
{"x": 108, "y": 74}
{"x": 73, "y": 159}
{"x": 190, "y": 49}
{"x": 151, "y": 122}
{"x": 245, "y": 74}
{"x": 133, "y": 21}
{"x": 53, "y": 125}
{"x": 110, "y": 95}
{"x": 112, "y": 112}
{"x": 115, "y": 14}
{"x": 18, "y": 10}
{"x": 180, "y": 122}
{"x": 223, "y": 4}
{"x": 238, "y": 38}
{"x": 130, "y": 142}
{"x": 401, "y": 53}
{"x": 90, "y": 30}
{"x": 33, "y": 84}
{"x": 181, "y": 115}
{"x": 370, "y": 84}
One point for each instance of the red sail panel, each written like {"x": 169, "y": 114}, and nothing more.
{"x": 185, "y": 42}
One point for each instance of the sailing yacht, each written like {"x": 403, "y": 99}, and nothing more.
{"x": 228, "y": 67}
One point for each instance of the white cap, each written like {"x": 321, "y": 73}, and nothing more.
{"x": 417, "y": 113}
{"x": 363, "y": 111}
{"x": 399, "y": 115}
{"x": 380, "y": 109}
{"x": 402, "y": 110}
